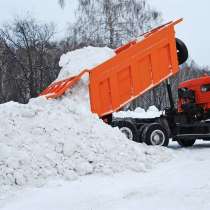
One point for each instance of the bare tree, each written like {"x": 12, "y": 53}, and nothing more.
{"x": 61, "y": 3}
{"x": 111, "y": 22}
{"x": 29, "y": 58}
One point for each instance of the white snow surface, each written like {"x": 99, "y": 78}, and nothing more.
{"x": 182, "y": 183}
{"x": 152, "y": 112}
{"x": 62, "y": 139}
{"x": 74, "y": 62}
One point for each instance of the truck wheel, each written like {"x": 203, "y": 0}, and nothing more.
{"x": 186, "y": 143}
{"x": 155, "y": 134}
{"x": 129, "y": 129}
{"x": 182, "y": 51}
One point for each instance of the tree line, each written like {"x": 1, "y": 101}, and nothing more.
{"x": 30, "y": 53}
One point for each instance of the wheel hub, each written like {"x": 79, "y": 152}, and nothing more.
{"x": 157, "y": 137}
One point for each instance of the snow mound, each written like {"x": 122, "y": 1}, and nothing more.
{"x": 48, "y": 139}
{"x": 152, "y": 112}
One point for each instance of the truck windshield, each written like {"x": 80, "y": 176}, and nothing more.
{"x": 205, "y": 88}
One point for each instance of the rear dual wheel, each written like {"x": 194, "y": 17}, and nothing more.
{"x": 151, "y": 134}
{"x": 154, "y": 134}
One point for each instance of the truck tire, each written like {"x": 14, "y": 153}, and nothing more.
{"x": 186, "y": 143}
{"x": 155, "y": 134}
{"x": 141, "y": 129}
{"x": 182, "y": 52}
{"x": 128, "y": 128}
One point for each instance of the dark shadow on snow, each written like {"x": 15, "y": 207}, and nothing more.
{"x": 198, "y": 145}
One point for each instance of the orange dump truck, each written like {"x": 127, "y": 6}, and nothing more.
{"x": 137, "y": 67}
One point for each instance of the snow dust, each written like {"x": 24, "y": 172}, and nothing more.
{"x": 50, "y": 139}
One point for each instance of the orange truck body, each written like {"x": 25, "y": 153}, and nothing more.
{"x": 137, "y": 67}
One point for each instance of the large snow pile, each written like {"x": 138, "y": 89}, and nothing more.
{"x": 152, "y": 112}
{"x": 60, "y": 138}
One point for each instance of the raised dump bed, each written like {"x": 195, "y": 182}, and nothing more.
{"x": 137, "y": 67}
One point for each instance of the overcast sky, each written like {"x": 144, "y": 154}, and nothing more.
{"x": 43, "y": 10}
{"x": 194, "y": 31}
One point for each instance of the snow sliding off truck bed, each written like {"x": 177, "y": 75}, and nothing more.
{"x": 136, "y": 68}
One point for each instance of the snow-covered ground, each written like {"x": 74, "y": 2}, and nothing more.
{"x": 57, "y": 155}
{"x": 182, "y": 183}
{"x": 61, "y": 139}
